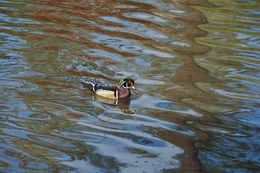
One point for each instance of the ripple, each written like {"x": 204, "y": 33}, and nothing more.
{"x": 182, "y": 44}
{"x": 146, "y": 16}
{"x": 163, "y": 158}
{"x": 7, "y": 19}
{"x": 126, "y": 6}
{"x": 38, "y": 116}
{"x": 196, "y": 67}
{"x": 134, "y": 28}
{"x": 130, "y": 48}
{"x": 149, "y": 82}
{"x": 159, "y": 104}
{"x": 83, "y": 165}
{"x": 158, "y": 53}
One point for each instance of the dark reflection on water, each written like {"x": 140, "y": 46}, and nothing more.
{"x": 196, "y": 66}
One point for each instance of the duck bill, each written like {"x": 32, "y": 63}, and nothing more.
{"x": 132, "y": 86}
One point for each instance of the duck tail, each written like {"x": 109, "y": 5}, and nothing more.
{"x": 89, "y": 85}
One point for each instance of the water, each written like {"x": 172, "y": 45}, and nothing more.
{"x": 196, "y": 66}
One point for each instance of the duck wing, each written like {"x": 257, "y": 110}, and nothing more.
{"x": 105, "y": 87}
{"x": 94, "y": 86}
{"x": 105, "y": 90}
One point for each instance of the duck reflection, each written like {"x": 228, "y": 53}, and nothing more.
{"x": 123, "y": 104}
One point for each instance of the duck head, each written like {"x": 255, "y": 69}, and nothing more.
{"x": 127, "y": 82}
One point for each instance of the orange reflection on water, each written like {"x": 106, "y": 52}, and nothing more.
{"x": 44, "y": 83}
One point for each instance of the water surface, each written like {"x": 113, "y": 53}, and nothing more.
{"x": 196, "y": 66}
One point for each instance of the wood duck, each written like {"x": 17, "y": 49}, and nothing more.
{"x": 112, "y": 92}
